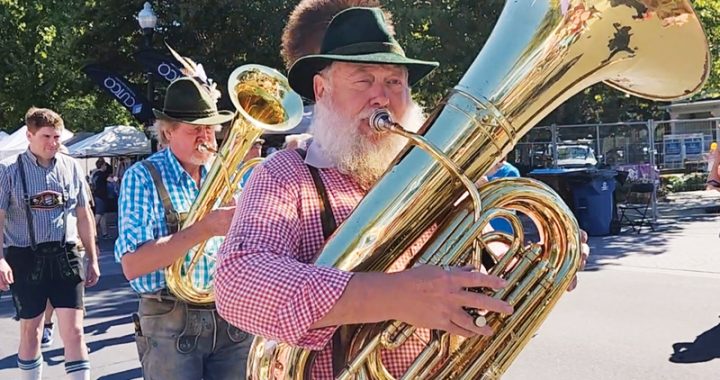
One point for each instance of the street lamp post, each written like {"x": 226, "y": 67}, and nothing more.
{"x": 148, "y": 20}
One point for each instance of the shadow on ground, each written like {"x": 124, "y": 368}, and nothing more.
{"x": 704, "y": 348}
{"x": 647, "y": 242}
{"x": 135, "y": 373}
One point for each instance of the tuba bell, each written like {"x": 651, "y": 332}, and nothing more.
{"x": 263, "y": 101}
{"x": 539, "y": 54}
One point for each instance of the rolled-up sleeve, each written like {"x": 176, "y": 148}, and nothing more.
{"x": 261, "y": 284}
{"x": 135, "y": 217}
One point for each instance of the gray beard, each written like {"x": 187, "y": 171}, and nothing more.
{"x": 363, "y": 158}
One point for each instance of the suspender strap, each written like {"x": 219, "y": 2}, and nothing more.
{"x": 172, "y": 218}
{"x": 329, "y": 225}
{"x": 26, "y": 199}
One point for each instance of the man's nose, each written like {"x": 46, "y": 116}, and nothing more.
{"x": 207, "y": 132}
{"x": 380, "y": 98}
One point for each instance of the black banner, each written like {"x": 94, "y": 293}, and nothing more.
{"x": 161, "y": 66}
{"x": 123, "y": 92}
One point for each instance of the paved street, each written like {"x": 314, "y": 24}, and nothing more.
{"x": 647, "y": 308}
{"x": 108, "y": 330}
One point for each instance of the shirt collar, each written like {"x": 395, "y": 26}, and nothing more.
{"x": 317, "y": 157}
{"x": 177, "y": 172}
{"x": 31, "y": 156}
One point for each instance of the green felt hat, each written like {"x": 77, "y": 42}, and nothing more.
{"x": 357, "y": 35}
{"x": 187, "y": 102}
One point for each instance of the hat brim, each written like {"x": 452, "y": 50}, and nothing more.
{"x": 221, "y": 118}
{"x": 300, "y": 76}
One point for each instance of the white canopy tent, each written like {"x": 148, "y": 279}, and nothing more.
{"x": 3, "y": 135}
{"x": 118, "y": 140}
{"x": 17, "y": 142}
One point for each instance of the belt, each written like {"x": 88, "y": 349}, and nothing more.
{"x": 165, "y": 295}
{"x": 50, "y": 248}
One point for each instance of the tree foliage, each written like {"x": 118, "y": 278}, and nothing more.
{"x": 45, "y": 43}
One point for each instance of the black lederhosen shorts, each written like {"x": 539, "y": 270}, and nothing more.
{"x": 51, "y": 272}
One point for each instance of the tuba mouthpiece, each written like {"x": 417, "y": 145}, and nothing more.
{"x": 380, "y": 120}
{"x": 206, "y": 148}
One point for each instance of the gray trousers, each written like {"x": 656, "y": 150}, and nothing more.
{"x": 180, "y": 342}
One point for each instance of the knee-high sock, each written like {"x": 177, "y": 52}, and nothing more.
{"x": 78, "y": 370}
{"x": 30, "y": 369}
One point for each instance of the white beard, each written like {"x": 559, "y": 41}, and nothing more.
{"x": 365, "y": 158}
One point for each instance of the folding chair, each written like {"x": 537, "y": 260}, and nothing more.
{"x": 635, "y": 214}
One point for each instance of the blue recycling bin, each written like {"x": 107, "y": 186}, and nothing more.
{"x": 593, "y": 200}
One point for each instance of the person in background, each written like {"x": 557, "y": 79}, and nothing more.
{"x": 99, "y": 181}
{"x": 299, "y": 141}
{"x": 502, "y": 169}
{"x": 44, "y": 214}
{"x": 48, "y": 334}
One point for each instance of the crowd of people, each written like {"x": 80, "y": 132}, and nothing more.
{"x": 259, "y": 251}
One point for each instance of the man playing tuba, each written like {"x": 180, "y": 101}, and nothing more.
{"x": 266, "y": 282}
{"x": 176, "y": 339}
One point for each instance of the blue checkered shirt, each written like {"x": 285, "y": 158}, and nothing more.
{"x": 141, "y": 217}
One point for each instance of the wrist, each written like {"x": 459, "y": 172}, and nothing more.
{"x": 388, "y": 290}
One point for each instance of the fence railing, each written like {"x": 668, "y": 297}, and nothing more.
{"x": 644, "y": 149}
{"x": 670, "y": 145}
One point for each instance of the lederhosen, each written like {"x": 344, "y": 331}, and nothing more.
{"x": 45, "y": 271}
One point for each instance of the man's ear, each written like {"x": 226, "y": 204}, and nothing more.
{"x": 318, "y": 86}
{"x": 166, "y": 133}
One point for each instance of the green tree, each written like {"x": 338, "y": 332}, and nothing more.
{"x": 40, "y": 65}
{"x": 47, "y": 42}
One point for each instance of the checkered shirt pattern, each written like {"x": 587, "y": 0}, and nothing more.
{"x": 141, "y": 217}
{"x": 64, "y": 175}
{"x": 265, "y": 282}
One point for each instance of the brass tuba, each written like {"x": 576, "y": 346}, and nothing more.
{"x": 540, "y": 53}
{"x": 264, "y": 102}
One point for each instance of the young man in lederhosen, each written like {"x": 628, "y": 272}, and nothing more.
{"x": 176, "y": 339}
{"x": 43, "y": 213}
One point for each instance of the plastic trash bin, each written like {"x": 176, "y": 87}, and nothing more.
{"x": 593, "y": 200}
{"x": 558, "y": 180}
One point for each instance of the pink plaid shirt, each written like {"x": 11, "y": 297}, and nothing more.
{"x": 265, "y": 282}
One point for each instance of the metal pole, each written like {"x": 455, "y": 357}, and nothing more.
{"x": 150, "y": 79}
{"x": 597, "y": 143}
{"x": 148, "y": 32}
{"x": 554, "y": 132}
{"x": 651, "y": 140}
